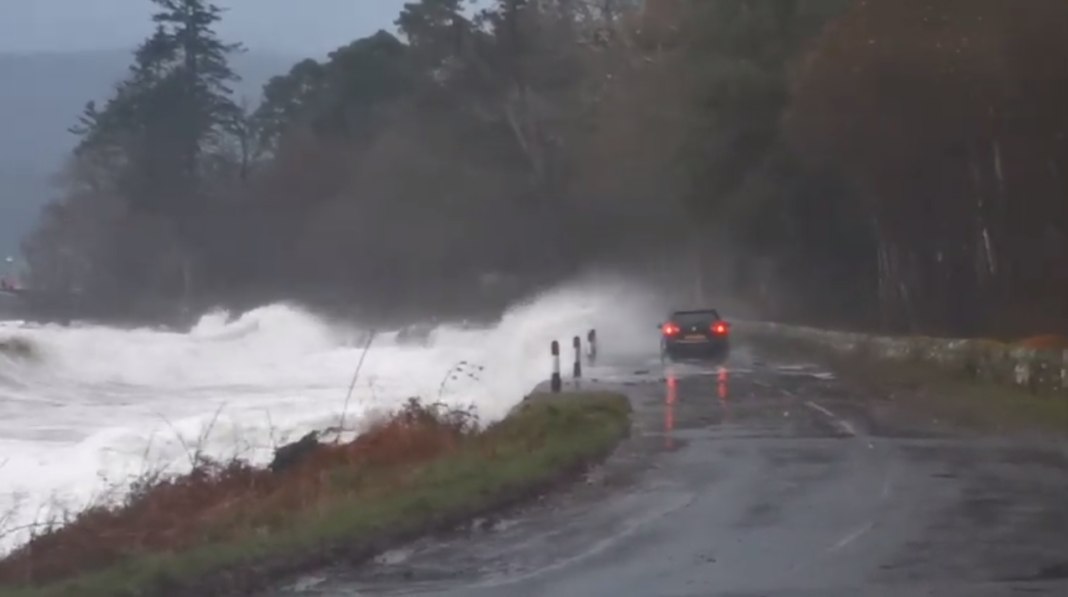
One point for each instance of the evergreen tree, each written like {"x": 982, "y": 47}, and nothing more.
{"x": 174, "y": 107}
{"x": 163, "y": 127}
{"x": 202, "y": 73}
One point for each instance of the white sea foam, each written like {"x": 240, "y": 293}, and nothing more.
{"x": 96, "y": 405}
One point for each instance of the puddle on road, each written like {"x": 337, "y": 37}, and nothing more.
{"x": 804, "y": 369}
{"x": 724, "y": 403}
{"x": 654, "y": 371}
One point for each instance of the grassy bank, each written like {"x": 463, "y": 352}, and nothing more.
{"x": 926, "y": 390}
{"x": 230, "y": 528}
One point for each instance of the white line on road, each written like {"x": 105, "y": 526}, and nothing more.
{"x": 839, "y": 422}
{"x": 851, "y": 537}
{"x": 671, "y": 505}
{"x": 886, "y": 486}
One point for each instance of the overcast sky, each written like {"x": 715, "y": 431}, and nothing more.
{"x": 304, "y": 27}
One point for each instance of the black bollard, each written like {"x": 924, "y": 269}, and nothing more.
{"x": 576, "y": 371}
{"x": 591, "y": 347}
{"x": 555, "y": 384}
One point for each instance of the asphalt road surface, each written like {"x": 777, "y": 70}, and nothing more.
{"x": 760, "y": 480}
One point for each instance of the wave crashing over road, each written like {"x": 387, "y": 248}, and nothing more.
{"x": 85, "y": 408}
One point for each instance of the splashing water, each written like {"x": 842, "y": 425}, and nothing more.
{"x": 98, "y": 406}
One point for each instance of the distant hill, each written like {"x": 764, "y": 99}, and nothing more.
{"x": 41, "y": 96}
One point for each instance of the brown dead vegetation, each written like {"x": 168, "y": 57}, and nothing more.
{"x": 1045, "y": 342}
{"x": 221, "y": 501}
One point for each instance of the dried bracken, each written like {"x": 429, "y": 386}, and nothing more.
{"x": 1045, "y": 342}
{"x": 228, "y": 500}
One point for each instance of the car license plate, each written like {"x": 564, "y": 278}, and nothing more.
{"x": 695, "y": 337}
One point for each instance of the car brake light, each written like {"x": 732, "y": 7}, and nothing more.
{"x": 670, "y": 329}
{"x": 719, "y": 328}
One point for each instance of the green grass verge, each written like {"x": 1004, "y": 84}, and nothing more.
{"x": 935, "y": 392}
{"x": 524, "y": 453}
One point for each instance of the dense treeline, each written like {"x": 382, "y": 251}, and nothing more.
{"x": 948, "y": 120}
{"x": 892, "y": 163}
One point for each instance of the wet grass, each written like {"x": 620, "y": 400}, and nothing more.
{"x": 961, "y": 401}
{"x": 419, "y": 467}
{"x": 935, "y": 393}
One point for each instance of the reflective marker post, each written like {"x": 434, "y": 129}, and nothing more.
{"x": 554, "y": 382}
{"x": 591, "y": 347}
{"x": 576, "y": 371}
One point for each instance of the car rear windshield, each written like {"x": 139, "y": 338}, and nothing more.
{"x": 695, "y": 317}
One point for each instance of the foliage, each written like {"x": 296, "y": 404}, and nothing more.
{"x": 420, "y": 466}
{"x": 888, "y": 164}
{"x": 946, "y": 118}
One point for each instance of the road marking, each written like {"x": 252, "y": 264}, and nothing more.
{"x": 886, "y": 486}
{"x": 839, "y": 422}
{"x": 680, "y": 502}
{"x": 841, "y": 544}
{"x": 851, "y": 537}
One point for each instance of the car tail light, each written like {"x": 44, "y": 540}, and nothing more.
{"x": 719, "y": 328}
{"x": 670, "y": 329}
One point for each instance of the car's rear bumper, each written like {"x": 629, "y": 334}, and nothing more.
{"x": 697, "y": 350}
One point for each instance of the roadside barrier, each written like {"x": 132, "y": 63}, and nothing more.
{"x": 1040, "y": 371}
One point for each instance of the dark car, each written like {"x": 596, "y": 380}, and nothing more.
{"x": 694, "y": 335}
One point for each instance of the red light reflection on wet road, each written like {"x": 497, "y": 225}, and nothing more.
{"x": 723, "y": 391}
{"x": 671, "y": 396}
{"x": 669, "y": 409}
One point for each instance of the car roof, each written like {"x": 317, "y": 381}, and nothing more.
{"x": 707, "y": 310}
{"x": 695, "y": 312}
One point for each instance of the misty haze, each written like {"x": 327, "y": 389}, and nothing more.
{"x": 55, "y": 55}
{"x": 573, "y": 298}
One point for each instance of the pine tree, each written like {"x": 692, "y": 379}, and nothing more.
{"x": 173, "y": 108}
{"x": 202, "y": 73}
{"x": 159, "y": 136}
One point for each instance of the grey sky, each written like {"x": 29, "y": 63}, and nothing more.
{"x": 304, "y": 27}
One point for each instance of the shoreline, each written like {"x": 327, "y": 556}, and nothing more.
{"x": 535, "y": 450}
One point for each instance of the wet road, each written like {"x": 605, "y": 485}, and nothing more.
{"x": 760, "y": 480}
